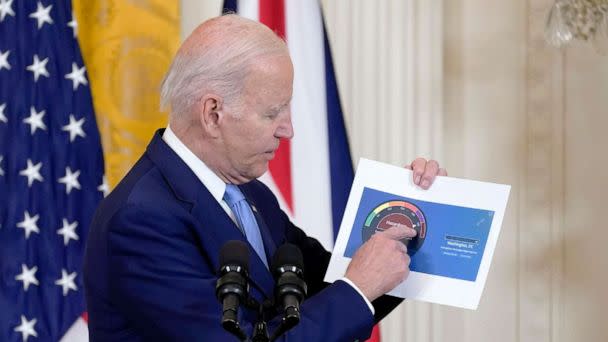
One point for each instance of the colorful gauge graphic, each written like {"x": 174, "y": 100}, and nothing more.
{"x": 397, "y": 212}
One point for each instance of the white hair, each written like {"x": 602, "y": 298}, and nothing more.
{"x": 216, "y": 59}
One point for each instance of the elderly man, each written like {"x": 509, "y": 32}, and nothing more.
{"x": 152, "y": 254}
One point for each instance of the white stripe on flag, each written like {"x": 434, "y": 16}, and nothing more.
{"x": 78, "y": 332}
{"x": 249, "y": 9}
{"x": 310, "y": 147}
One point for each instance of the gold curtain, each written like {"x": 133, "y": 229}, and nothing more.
{"x": 127, "y": 46}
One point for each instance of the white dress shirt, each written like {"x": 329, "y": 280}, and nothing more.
{"x": 210, "y": 180}
{"x": 216, "y": 185}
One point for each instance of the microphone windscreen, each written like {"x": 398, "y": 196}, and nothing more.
{"x": 287, "y": 254}
{"x": 235, "y": 252}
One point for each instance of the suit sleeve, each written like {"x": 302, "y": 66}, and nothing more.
{"x": 164, "y": 285}
{"x": 316, "y": 262}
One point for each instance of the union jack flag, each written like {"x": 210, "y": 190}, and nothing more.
{"x": 314, "y": 197}
{"x": 51, "y": 170}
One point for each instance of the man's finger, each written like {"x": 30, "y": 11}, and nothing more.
{"x": 418, "y": 167}
{"x": 430, "y": 171}
{"x": 442, "y": 172}
{"x": 407, "y": 259}
{"x": 401, "y": 247}
{"x": 399, "y": 231}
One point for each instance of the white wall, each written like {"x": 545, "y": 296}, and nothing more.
{"x": 517, "y": 111}
{"x": 498, "y": 106}
{"x": 195, "y": 12}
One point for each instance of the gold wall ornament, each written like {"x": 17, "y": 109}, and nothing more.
{"x": 585, "y": 20}
{"x": 127, "y": 46}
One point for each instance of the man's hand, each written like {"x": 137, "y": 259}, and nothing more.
{"x": 381, "y": 263}
{"x": 425, "y": 172}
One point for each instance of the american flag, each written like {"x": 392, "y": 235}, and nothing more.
{"x": 51, "y": 170}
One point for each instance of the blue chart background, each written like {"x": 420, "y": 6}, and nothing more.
{"x": 442, "y": 220}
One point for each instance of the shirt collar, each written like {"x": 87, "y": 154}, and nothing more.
{"x": 210, "y": 180}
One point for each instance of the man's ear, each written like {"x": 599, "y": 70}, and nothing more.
{"x": 211, "y": 114}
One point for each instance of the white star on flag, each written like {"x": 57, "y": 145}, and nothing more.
{"x": 38, "y": 67}
{"x": 4, "y": 60}
{"x": 1, "y": 170}
{"x": 67, "y": 282}
{"x": 42, "y": 14}
{"x": 104, "y": 187}
{"x": 75, "y": 128}
{"x": 26, "y": 328}
{"x": 29, "y": 224}
{"x": 68, "y": 231}
{"x": 6, "y": 9}
{"x": 74, "y": 25}
{"x": 28, "y": 276}
{"x": 2, "y": 116}
{"x": 32, "y": 172}
{"x": 35, "y": 120}
{"x": 77, "y": 76}
{"x": 70, "y": 180}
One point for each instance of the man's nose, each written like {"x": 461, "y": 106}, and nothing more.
{"x": 285, "y": 128}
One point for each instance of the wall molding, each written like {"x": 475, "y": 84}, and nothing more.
{"x": 541, "y": 251}
{"x": 389, "y": 64}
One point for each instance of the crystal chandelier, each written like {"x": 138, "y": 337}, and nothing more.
{"x": 585, "y": 20}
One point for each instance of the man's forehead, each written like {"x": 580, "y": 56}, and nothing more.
{"x": 269, "y": 70}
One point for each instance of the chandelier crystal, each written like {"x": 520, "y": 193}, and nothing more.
{"x": 584, "y": 20}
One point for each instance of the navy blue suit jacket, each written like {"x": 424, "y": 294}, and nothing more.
{"x": 151, "y": 262}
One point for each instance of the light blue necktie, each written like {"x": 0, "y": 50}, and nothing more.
{"x": 245, "y": 218}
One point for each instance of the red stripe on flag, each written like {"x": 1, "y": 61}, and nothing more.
{"x": 272, "y": 14}
{"x": 375, "y": 334}
{"x": 85, "y": 316}
{"x": 280, "y": 170}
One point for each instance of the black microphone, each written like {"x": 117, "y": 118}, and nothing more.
{"x": 288, "y": 269}
{"x": 232, "y": 287}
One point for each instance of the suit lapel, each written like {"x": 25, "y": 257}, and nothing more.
{"x": 215, "y": 226}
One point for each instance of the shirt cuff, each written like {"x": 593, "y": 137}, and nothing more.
{"x": 369, "y": 304}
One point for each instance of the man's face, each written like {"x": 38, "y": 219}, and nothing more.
{"x": 251, "y": 138}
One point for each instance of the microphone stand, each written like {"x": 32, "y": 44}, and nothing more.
{"x": 281, "y": 329}
{"x": 260, "y": 329}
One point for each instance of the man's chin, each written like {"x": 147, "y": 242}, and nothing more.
{"x": 257, "y": 171}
